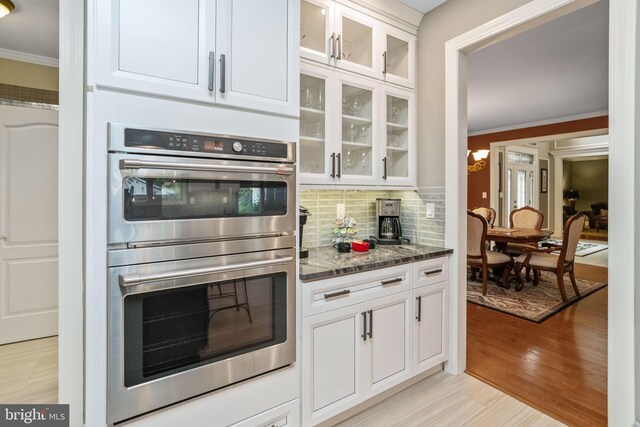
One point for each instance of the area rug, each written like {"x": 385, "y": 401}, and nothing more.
{"x": 534, "y": 303}
{"x": 584, "y": 249}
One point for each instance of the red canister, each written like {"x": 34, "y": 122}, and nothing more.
{"x": 360, "y": 246}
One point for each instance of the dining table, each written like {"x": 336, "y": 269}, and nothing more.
{"x": 503, "y": 236}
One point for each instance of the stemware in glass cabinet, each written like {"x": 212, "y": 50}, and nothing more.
{"x": 312, "y": 124}
{"x": 357, "y": 43}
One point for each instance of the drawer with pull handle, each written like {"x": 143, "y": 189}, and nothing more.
{"x": 431, "y": 271}
{"x": 342, "y": 291}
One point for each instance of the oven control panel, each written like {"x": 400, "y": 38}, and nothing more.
{"x": 210, "y": 145}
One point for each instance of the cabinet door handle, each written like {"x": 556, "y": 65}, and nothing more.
{"x": 389, "y": 282}
{"x": 337, "y": 294}
{"x": 339, "y": 165}
{"x": 432, "y": 272}
{"x": 332, "y": 47}
{"x": 333, "y": 165}
{"x": 419, "y": 315}
{"x": 223, "y": 59}
{"x": 212, "y": 67}
{"x": 339, "y": 42}
{"x": 384, "y": 65}
{"x": 370, "y": 323}
{"x": 384, "y": 169}
{"x": 364, "y": 325}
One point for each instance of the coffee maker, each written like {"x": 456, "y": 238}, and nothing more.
{"x": 389, "y": 229}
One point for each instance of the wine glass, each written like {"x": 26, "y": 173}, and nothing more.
{"x": 356, "y": 106}
{"x": 345, "y": 105}
{"x": 320, "y": 100}
{"x": 348, "y": 159}
{"x": 395, "y": 113}
{"x": 307, "y": 98}
{"x": 362, "y": 133}
{"x": 352, "y": 130}
{"x": 363, "y": 161}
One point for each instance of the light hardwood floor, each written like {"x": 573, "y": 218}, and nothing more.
{"x": 29, "y": 372}
{"x": 447, "y": 400}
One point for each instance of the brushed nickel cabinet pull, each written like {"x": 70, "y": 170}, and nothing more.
{"x": 339, "y": 42}
{"x": 332, "y": 47}
{"x": 419, "y": 315}
{"x": 384, "y": 66}
{"x": 337, "y": 294}
{"x": 333, "y": 165}
{"x": 370, "y": 323}
{"x": 212, "y": 67}
{"x": 339, "y": 165}
{"x": 223, "y": 60}
{"x": 391, "y": 281}
{"x": 384, "y": 173}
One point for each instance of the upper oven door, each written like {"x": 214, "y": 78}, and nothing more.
{"x": 170, "y": 199}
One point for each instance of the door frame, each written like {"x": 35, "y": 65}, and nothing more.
{"x": 623, "y": 61}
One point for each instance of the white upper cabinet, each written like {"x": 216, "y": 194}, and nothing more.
{"x": 399, "y": 56}
{"x": 335, "y": 34}
{"x": 255, "y": 49}
{"x": 398, "y": 134}
{"x": 240, "y": 53}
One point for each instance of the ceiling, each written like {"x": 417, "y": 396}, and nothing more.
{"x": 31, "y": 28}
{"x": 555, "y": 71}
{"x": 423, "y": 6}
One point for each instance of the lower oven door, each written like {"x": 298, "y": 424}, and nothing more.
{"x": 180, "y": 329}
{"x": 156, "y": 198}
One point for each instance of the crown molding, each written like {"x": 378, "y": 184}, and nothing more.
{"x": 29, "y": 57}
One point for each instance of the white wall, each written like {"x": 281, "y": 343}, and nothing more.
{"x": 447, "y": 21}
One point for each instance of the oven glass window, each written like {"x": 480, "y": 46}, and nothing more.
{"x": 167, "y": 199}
{"x": 170, "y": 331}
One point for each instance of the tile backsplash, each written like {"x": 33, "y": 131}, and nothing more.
{"x": 361, "y": 205}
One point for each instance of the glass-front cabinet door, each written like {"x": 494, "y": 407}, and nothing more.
{"x": 398, "y": 136}
{"x": 317, "y": 38}
{"x": 358, "y": 136}
{"x": 357, "y": 37}
{"x": 398, "y": 57}
{"x": 317, "y": 126}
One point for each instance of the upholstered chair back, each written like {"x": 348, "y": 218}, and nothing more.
{"x": 526, "y": 217}
{"x": 571, "y": 235}
{"x": 487, "y": 213}
{"x": 476, "y": 234}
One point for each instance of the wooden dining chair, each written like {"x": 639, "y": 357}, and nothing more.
{"x": 487, "y": 212}
{"x": 524, "y": 217}
{"x": 542, "y": 259}
{"x": 479, "y": 256}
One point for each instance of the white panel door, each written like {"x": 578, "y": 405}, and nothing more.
{"x": 397, "y": 136}
{"x": 317, "y": 35}
{"x": 358, "y": 48}
{"x": 430, "y": 338}
{"x": 158, "y": 47}
{"x": 398, "y": 57}
{"x": 257, "y": 55}
{"x": 389, "y": 341}
{"x": 332, "y": 362}
{"x": 28, "y": 223}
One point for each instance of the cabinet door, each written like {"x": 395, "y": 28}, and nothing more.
{"x": 154, "y": 47}
{"x": 398, "y": 57}
{"x": 389, "y": 343}
{"x": 317, "y": 125}
{"x": 398, "y": 147}
{"x": 357, "y": 42}
{"x": 332, "y": 362}
{"x": 317, "y": 33}
{"x": 430, "y": 337}
{"x": 257, "y": 61}
{"x": 357, "y": 134}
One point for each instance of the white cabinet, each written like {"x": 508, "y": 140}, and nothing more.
{"x": 353, "y": 353}
{"x": 239, "y": 53}
{"x": 431, "y": 319}
{"x": 335, "y": 34}
{"x": 286, "y": 415}
{"x": 355, "y": 130}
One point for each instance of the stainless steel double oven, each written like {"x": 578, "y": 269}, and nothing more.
{"x": 201, "y": 264}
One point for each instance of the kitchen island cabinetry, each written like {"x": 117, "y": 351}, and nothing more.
{"x": 201, "y": 50}
{"x": 366, "y": 332}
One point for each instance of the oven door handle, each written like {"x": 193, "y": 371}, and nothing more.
{"x": 145, "y": 164}
{"x": 128, "y": 281}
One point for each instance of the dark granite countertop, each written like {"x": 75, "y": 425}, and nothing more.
{"x": 325, "y": 262}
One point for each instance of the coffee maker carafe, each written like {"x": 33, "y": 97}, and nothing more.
{"x": 389, "y": 229}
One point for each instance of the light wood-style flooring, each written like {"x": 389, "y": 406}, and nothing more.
{"x": 558, "y": 366}
{"x": 447, "y": 400}
{"x": 29, "y": 372}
